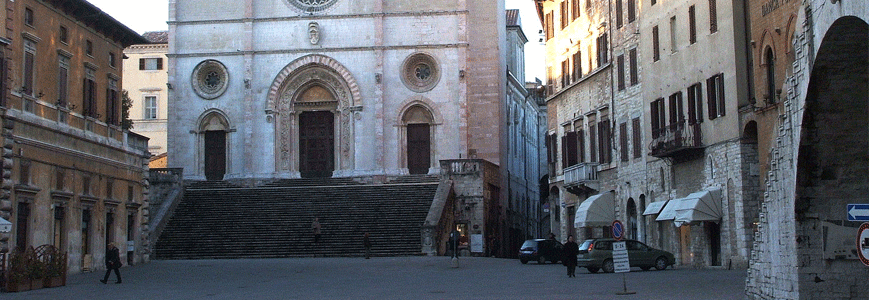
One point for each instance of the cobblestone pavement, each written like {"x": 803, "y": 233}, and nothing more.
{"x": 387, "y": 278}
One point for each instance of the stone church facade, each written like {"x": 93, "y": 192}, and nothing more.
{"x": 265, "y": 89}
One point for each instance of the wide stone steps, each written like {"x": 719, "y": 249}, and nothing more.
{"x": 221, "y": 220}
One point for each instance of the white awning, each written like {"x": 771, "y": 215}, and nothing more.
{"x": 5, "y": 226}
{"x": 669, "y": 211}
{"x": 597, "y": 210}
{"x": 654, "y": 208}
{"x": 699, "y": 206}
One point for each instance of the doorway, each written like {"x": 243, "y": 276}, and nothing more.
{"x": 418, "y": 148}
{"x": 714, "y": 231}
{"x": 685, "y": 243}
{"x": 316, "y": 144}
{"x": 215, "y": 154}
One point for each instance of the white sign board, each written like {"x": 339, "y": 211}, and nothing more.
{"x": 477, "y": 243}
{"x": 620, "y": 258}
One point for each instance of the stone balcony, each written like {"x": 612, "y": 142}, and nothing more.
{"x": 581, "y": 177}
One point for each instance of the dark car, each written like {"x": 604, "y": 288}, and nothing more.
{"x": 541, "y": 250}
{"x": 597, "y": 254}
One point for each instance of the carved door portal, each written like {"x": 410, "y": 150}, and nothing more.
{"x": 418, "y": 148}
{"x": 316, "y": 144}
{"x": 215, "y": 155}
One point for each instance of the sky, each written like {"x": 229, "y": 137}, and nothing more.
{"x": 151, "y": 15}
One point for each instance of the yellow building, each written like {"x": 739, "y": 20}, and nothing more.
{"x": 72, "y": 176}
{"x": 145, "y": 81}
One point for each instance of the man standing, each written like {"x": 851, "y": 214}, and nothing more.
{"x": 367, "y": 243}
{"x": 316, "y": 227}
{"x": 113, "y": 262}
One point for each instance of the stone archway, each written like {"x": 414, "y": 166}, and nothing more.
{"x": 313, "y": 83}
{"x": 832, "y": 167}
{"x": 214, "y": 138}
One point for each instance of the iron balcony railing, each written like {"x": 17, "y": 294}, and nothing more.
{"x": 675, "y": 138}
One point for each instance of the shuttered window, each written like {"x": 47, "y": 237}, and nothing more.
{"x": 619, "y": 13}
{"x": 676, "y": 113}
{"x": 632, "y": 10}
{"x": 692, "y": 25}
{"x": 715, "y": 96}
{"x": 695, "y": 104}
{"x": 571, "y": 149}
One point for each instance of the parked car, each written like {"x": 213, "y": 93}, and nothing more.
{"x": 541, "y": 250}
{"x": 597, "y": 254}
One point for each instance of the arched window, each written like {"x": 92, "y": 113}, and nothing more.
{"x": 770, "y": 75}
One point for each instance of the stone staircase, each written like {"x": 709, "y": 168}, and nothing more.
{"x": 222, "y": 220}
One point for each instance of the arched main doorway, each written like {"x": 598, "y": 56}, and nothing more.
{"x": 633, "y": 224}
{"x": 213, "y": 128}
{"x": 313, "y": 103}
{"x": 833, "y": 161}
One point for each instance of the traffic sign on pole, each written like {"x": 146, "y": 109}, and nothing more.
{"x": 858, "y": 212}
{"x": 618, "y": 230}
{"x": 863, "y": 243}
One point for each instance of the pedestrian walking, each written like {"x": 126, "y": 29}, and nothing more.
{"x": 571, "y": 249}
{"x": 366, "y": 241}
{"x": 316, "y": 227}
{"x": 113, "y": 262}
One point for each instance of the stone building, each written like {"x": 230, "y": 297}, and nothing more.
{"x": 526, "y": 119}
{"x": 639, "y": 143}
{"x": 579, "y": 102}
{"x": 804, "y": 247}
{"x": 72, "y": 176}
{"x": 145, "y": 79}
{"x": 267, "y": 89}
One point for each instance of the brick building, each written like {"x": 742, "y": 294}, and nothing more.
{"x": 72, "y": 176}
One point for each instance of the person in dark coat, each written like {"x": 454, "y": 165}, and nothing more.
{"x": 366, "y": 241}
{"x": 316, "y": 227}
{"x": 113, "y": 262}
{"x": 571, "y": 249}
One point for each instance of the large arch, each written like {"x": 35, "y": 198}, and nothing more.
{"x": 832, "y": 168}
{"x": 290, "y": 96}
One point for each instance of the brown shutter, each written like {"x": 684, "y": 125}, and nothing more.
{"x": 692, "y": 109}
{"x": 654, "y": 110}
{"x": 713, "y": 17}
{"x": 719, "y": 87}
{"x": 571, "y": 148}
{"x": 85, "y": 104}
{"x": 623, "y": 140}
{"x": 635, "y": 77}
{"x": 159, "y": 63}
{"x": 28, "y": 73}
{"x": 619, "y": 13}
{"x": 592, "y": 142}
{"x": 692, "y": 25}
{"x": 580, "y": 146}
{"x": 656, "y": 52}
{"x": 632, "y": 11}
{"x": 563, "y": 152}
{"x": 141, "y": 64}
{"x": 711, "y": 94}
{"x": 620, "y": 60}
{"x": 638, "y": 141}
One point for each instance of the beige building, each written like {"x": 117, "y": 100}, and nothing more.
{"x": 72, "y": 176}
{"x": 145, "y": 80}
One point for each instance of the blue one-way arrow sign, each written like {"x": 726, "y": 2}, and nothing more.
{"x": 858, "y": 212}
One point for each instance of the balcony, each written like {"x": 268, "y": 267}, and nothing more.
{"x": 581, "y": 178}
{"x": 677, "y": 140}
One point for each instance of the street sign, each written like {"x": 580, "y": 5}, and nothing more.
{"x": 618, "y": 230}
{"x": 858, "y": 212}
{"x": 621, "y": 262}
{"x": 863, "y": 243}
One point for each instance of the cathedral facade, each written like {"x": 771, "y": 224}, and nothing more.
{"x": 333, "y": 88}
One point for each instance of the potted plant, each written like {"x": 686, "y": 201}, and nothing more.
{"x": 55, "y": 271}
{"x": 35, "y": 270}
{"x": 19, "y": 279}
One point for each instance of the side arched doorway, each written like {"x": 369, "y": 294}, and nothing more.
{"x": 213, "y": 129}
{"x": 417, "y": 121}
{"x": 633, "y": 224}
